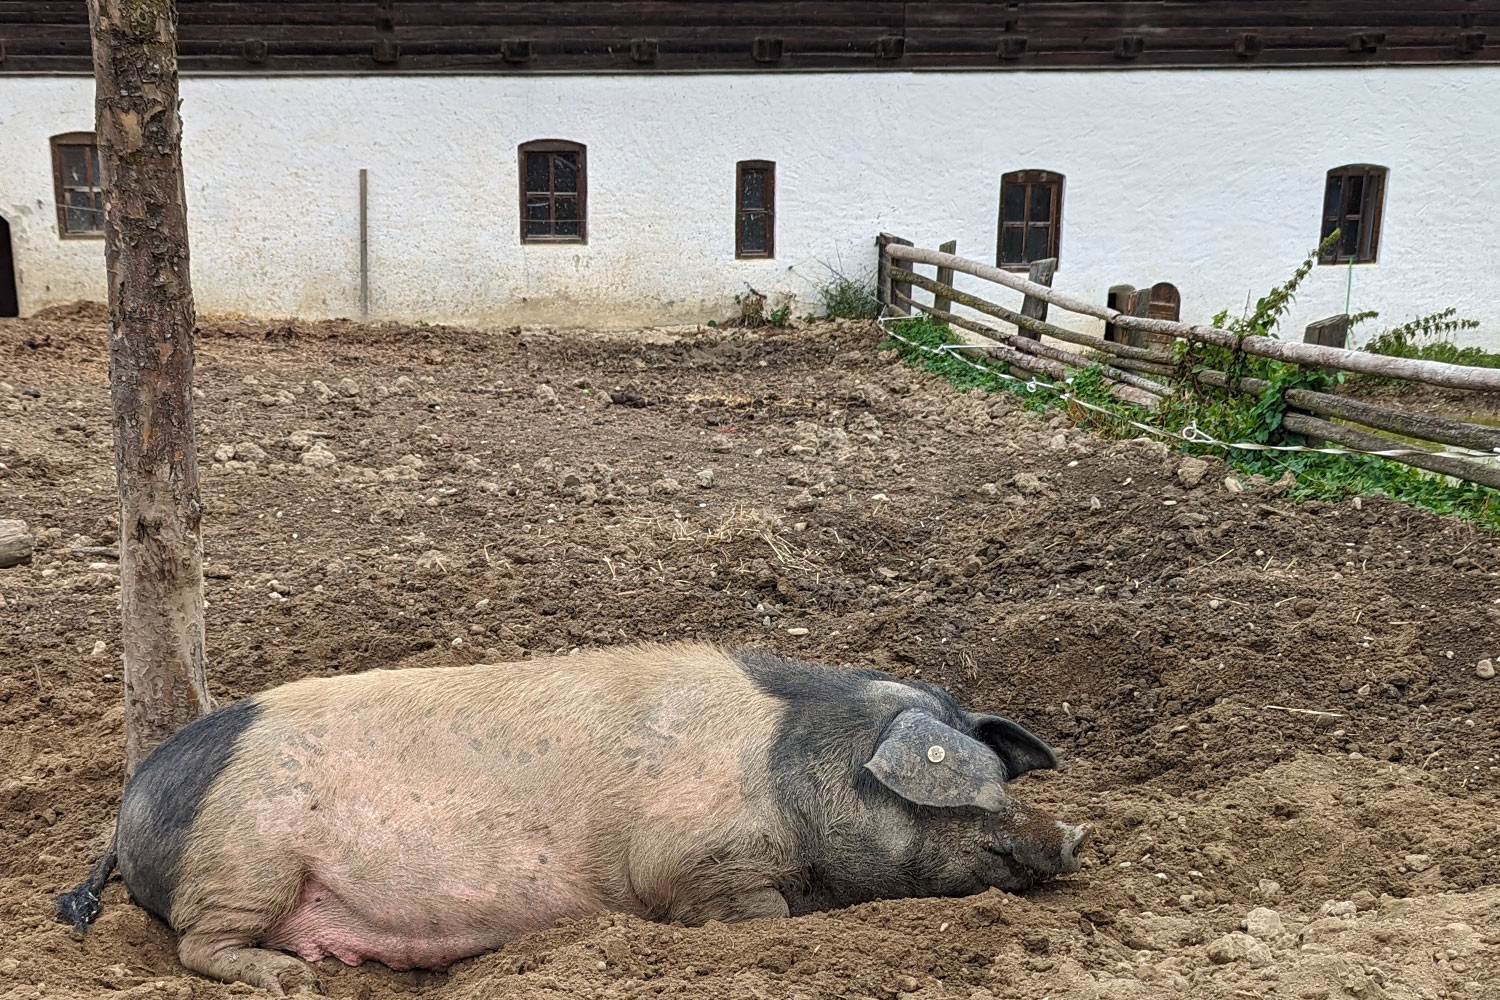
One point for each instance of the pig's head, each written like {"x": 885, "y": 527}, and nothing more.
{"x": 943, "y": 783}
{"x": 897, "y": 791}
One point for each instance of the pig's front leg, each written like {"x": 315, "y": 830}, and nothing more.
{"x": 732, "y": 907}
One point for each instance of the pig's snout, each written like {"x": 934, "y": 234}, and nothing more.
{"x": 1074, "y": 840}
{"x": 1053, "y": 848}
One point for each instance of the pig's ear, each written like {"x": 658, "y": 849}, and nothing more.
{"x": 1019, "y": 749}
{"x": 929, "y": 763}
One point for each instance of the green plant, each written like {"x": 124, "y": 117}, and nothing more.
{"x": 847, "y": 296}
{"x": 1429, "y": 338}
{"x": 781, "y": 315}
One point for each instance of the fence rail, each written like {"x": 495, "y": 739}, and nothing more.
{"x": 1127, "y": 368}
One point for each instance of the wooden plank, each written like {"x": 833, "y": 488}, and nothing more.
{"x": 580, "y": 36}
{"x": 1040, "y": 327}
{"x": 1330, "y": 332}
{"x": 1040, "y": 272}
{"x": 1027, "y": 364}
{"x": 944, "y": 277}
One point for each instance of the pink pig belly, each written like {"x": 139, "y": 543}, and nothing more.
{"x": 429, "y": 928}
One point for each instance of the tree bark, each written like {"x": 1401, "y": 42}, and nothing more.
{"x": 139, "y": 134}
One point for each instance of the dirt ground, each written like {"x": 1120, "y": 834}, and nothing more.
{"x": 380, "y": 495}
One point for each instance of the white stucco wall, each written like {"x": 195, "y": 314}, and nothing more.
{"x": 1211, "y": 179}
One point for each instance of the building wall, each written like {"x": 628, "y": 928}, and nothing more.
{"x": 1210, "y": 179}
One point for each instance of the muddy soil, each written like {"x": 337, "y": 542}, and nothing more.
{"x": 1262, "y": 706}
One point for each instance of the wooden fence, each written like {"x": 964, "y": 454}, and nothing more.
{"x": 1128, "y": 367}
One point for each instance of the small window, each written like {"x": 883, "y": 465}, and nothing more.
{"x": 1352, "y": 203}
{"x": 1030, "y": 218}
{"x": 755, "y": 209}
{"x": 77, "y": 185}
{"x": 553, "y": 192}
{"x": 1166, "y": 301}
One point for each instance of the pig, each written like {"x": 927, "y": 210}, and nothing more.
{"x": 419, "y": 816}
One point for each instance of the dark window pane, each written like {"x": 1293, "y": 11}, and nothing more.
{"x": 1041, "y": 203}
{"x": 565, "y": 217}
{"x": 96, "y": 176}
{"x": 1332, "y": 196}
{"x": 565, "y": 172}
{"x": 1036, "y": 243}
{"x": 753, "y": 233}
{"x": 538, "y": 216}
{"x": 1349, "y": 241}
{"x": 1011, "y": 240}
{"x": 753, "y": 189}
{"x": 1013, "y": 202}
{"x": 536, "y": 172}
{"x": 75, "y": 165}
{"x": 1354, "y": 189}
{"x": 83, "y": 217}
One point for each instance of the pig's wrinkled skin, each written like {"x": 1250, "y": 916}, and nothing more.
{"x": 420, "y": 816}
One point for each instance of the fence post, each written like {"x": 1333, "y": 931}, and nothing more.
{"x": 886, "y": 289}
{"x": 945, "y": 277}
{"x": 1041, "y": 272}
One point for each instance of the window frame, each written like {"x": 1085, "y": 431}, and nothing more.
{"x": 768, "y": 212}
{"x": 554, "y": 146}
{"x": 1028, "y": 178}
{"x": 1371, "y": 207}
{"x": 740, "y": 253}
{"x": 60, "y": 189}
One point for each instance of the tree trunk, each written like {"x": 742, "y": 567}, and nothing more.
{"x": 151, "y": 368}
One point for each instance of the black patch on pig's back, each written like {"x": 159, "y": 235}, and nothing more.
{"x": 826, "y": 708}
{"x": 828, "y": 715}
{"x": 162, "y": 800}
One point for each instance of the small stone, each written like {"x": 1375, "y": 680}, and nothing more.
{"x": 1239, "y": 947}
{"x": 224, "y": 453}
{"x": 1417, "y": 862}
{"x": 1338, "y": 908}
{"x": 1029, "y": 483}
{"x": 666, "y": 486}
{"x": 907, "y": 984}
{"x": 1263, "y": 923}
{"x": 319, "y": 457}
{"x": 1216, "y": 604}
{"x": 1268, "y": 888}
{"x": 1191, "y": 472}
{"x": 545, "y": 394}
{"x": 249, "y": 451}
{"x": 796, "y": 631}
{"x": 321, "y": 390}
{"x": 99, "y": 647}
{"x": 1233, "y": 485}
{"x": 433, "y": 562}
{"x": 1485, "y": 668}
{"x": 348, "y": 387}
{"x": 705, "y": 478}
{"x": 16, "y": 543}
